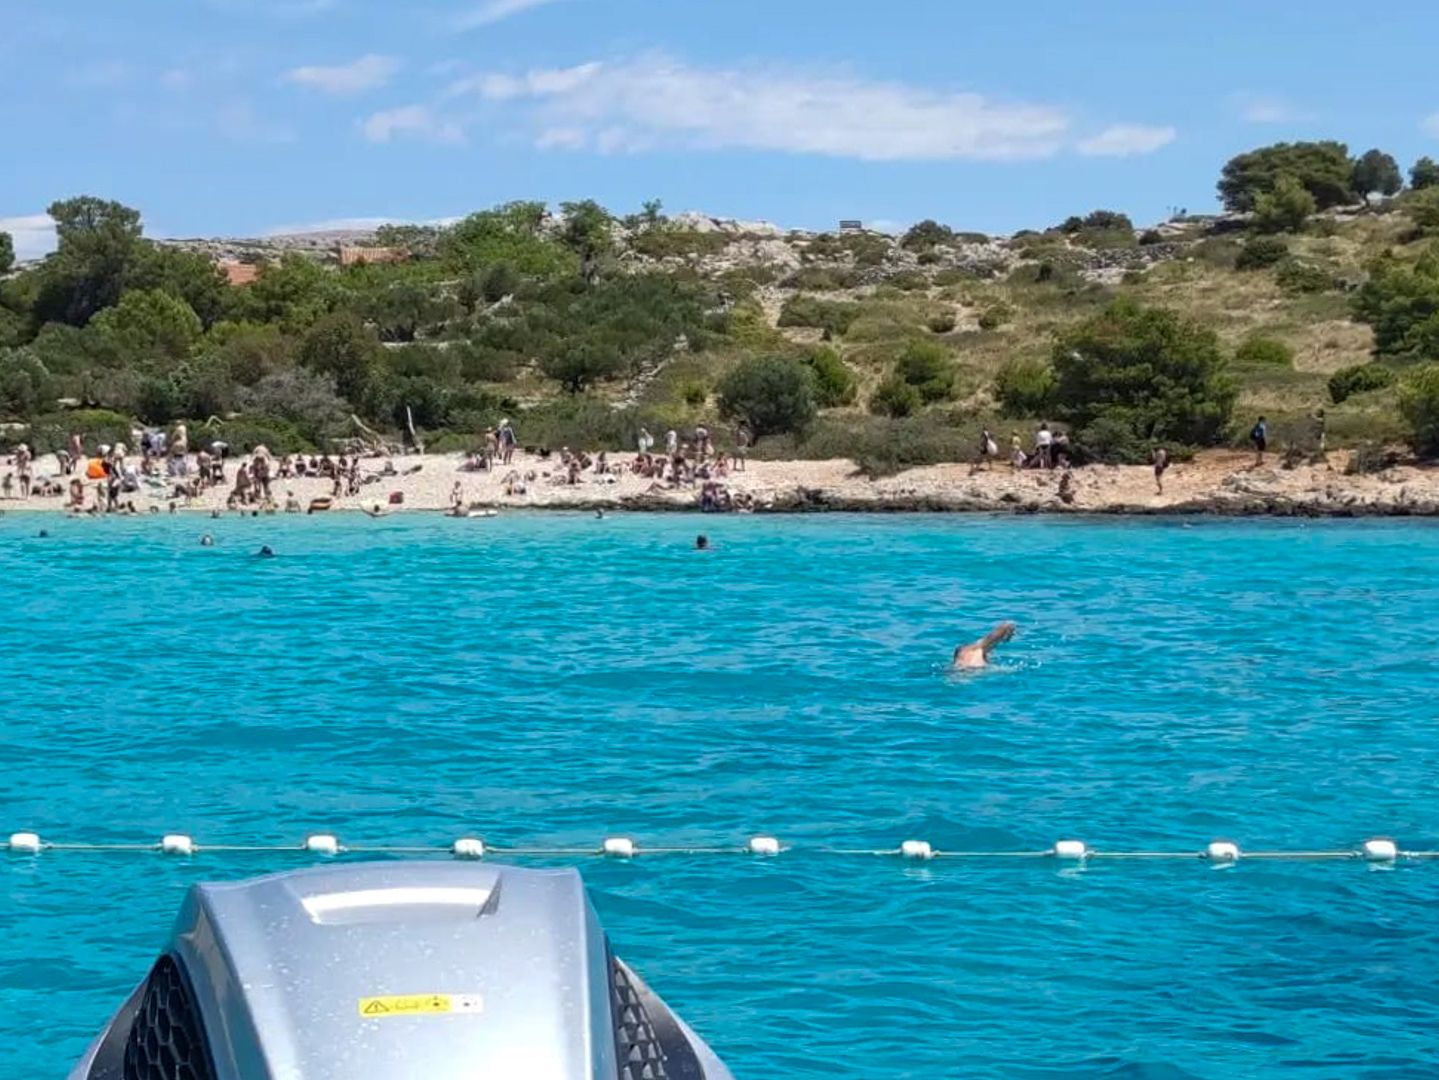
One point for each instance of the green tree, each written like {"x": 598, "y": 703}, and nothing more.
{"x": 185, "y": 275}
{"x": 340, "y": 346}
{"x": 1260, "y": 252}
{"x": 1375, "y": 173}
{"x": 1322, "y": 168}
{"x": 294, "y": 292}
{"x": 580, "y": 363}
{"x": 250, "y": 351}
{"x": 26, "y": 386}
{"x": 928, "y": 367}
{"x": 1024, "y": 387}
{"x": 771, "y": 394}
{"x": 402, "y": 309}
{"x": 97, "y": 243}
{"x": 1419, "y": 405}
{"x": 1424, "y": 174}
{"x": 1424, "y": 209}
{"x": 833, "y": 381}
{"x": 925, "y": 235}
{"x": 149, "y": 327}
{"x": 511, "y": 234}
{"x": 1144, "y": 370}
{"x": 589, "y": 233}
{"x": 7, "y": 252}
{"x": 1401, "y": 303}
{"x": 1284, "y": 208}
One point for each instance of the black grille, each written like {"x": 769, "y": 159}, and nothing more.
{"x": 637, "y": 1047}
{"x": 166, "y": 1041}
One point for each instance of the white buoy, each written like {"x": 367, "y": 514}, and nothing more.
{"x": 763, "y": 845}
{"x": 1380, "y": 850}
{"x": 1070, "y": 849}
{"x": 468, "y": 848}
{"x": 322, "y": 844}
{"x": 621, "y": 847}
{"x": 916, "y": 849}
{"x": 1222, "y": 851}
{"x": 177, "y": 844}
{"x": 25, "y": 843}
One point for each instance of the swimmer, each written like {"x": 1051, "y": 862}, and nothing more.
{"x": 265, "y": 552}
{"x": 44, "y": 534}
{"x": 976, "y": 653}
{"x": 207, "y": 540}
{"x": 599, "y": 513}
{"x": 702, "y": 542}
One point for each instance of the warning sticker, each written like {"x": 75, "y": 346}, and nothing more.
{"x": 373, "y": 1008}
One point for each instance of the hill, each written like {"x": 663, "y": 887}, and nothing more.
{"x": 583, "y": 327}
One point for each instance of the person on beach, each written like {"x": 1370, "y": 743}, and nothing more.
{"x": 22, "y": 469}
{"x": 1259, "y": 436}
{"x": 742, "y": 440}
{"x": 672, "y": 442}
{"x": 976, "y": 653}
{"x": 505, "y": 436}
{"x": 1321, "y": 438}
{"x": 1017, "y": 457}
{"x": 645, "y": 440}
{"x": 988, "y": 450}
{"x": 1043, "y": 447}
{"x": 1161, "y": 463}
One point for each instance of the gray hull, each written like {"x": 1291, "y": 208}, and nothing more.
{"x": 395, "y": 971}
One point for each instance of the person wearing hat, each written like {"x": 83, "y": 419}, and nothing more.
{"x": 506, "y": 438}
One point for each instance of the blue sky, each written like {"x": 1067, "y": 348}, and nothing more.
{"x": 240, "y": 117}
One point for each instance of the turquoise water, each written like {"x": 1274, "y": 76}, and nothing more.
{"x": 555, "y": 680}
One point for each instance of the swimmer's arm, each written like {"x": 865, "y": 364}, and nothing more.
{"x": 998, "y": 636}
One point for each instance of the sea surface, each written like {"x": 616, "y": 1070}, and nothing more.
{"x": 554, "y": 680}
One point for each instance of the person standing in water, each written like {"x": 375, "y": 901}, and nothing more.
{"x": 976, "y": 653}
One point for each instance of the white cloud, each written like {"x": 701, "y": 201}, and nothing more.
{"x": 1263, "y": 109}
{"x": 656, "y": 101}
{"x": 343, "y": 80}
{"x": 411, "y": 121}
{"x": 34, "y": 234}
{"x": 1124, "y": 140}
{"x": 1430, "y": 125}
{"x": 493, "y": 11}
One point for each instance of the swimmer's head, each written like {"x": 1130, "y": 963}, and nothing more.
{"x": 266, "y": 552}
{"x": 702, "y": 542}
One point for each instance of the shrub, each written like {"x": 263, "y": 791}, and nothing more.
{"x": 995, "y": 316}
{"x": 1424, "y": 174}
{"x": 1423, "y": 207}
{"x": 927, "y": 367}
{"x": 833, "y": 316}
{"x": 52, "y": 432}
{"x": 833, "y": 381}
{"x": 1113, "y": 438}
{"x": 300, "y": 397}
{"x": 1285, "y": 208}
{"x": 1162, "y": 375}
{"x": 1294, "y": 276}
{"x": 1261, "y": 251}
{"x": 895, "y": 397}
{"x": 1402, "y": 304}
{"x": 772, "y": 394}
{"x": 1359, "y": 379}
{"x": 1098, "y": 221}
{"x": 908, "y": 280}
{"x": 1419, "y": 405}
{"x": 1150, "y": 237}
{"x": 942, "y": 323}
{"x": 926, "y": 235}
{"x": 1258, "y": 352}
{"x": 821, "y": 278}
{"x": 1024, "y": 387}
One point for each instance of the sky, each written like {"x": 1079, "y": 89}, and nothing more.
{"x": 247, "y": 117}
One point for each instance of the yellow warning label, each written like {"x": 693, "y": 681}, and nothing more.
{"x": 419, "y": 1005}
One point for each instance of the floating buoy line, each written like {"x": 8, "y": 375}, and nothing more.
{"x": 1376, "y": 850}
